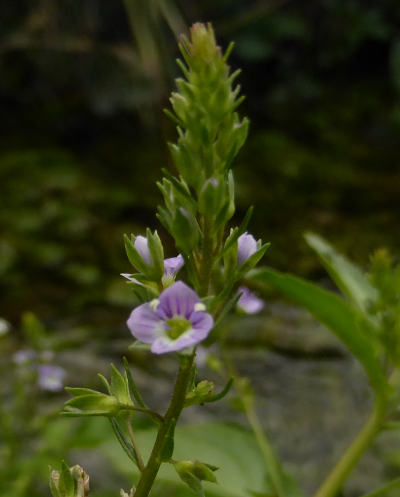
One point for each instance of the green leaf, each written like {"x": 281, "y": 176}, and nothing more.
{"x": 76, "y": 392}
{"x": 123, "y": 441}
{"x": 156, "y": 253}
{"x": 105, "y": 382}
{"x": 348, "y": 276}
{"x": 332, "y": 311}
{"x": 168, "y": 447}
{"x": 133, "y": 390}
{"x": 236, "y": 232}
{"x": 33, "y": 330}
{"x": 98, "y": 403}
{"x": 119, "y": 388}
{"x": 228, "y": 447}
{"x": 66, "y": 484}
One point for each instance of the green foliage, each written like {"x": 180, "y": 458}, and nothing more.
{"x": 351, "y": 281}
{"x": 193, "y": 473}
{"x": 121, "y": 389}
{"x": 349, "y": 326}
{"x": 230, "y": 448}
{"x": 385, "y": 276}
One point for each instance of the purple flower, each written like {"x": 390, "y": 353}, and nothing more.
{"x": 171, "y": 265}
{"x": 249, "y": 302}
{"x": 247, "y": 246}
{"x": 24, "y": 356}
{"x": 173, "y": 322}
{"x": 51, "y": 378}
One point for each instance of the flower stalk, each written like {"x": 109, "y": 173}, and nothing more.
{"x": 174, "y": 410}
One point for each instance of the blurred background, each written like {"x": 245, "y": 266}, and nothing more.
{"x": 82, "y": 142}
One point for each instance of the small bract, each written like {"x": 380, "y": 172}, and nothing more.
{"x": 174, "y": 321}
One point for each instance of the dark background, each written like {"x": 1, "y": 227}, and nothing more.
{"x": 82, "y": 143}
{"x": 82, "y": 134}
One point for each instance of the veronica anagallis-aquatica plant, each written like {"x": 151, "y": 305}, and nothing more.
{"x": 184, "y": 298}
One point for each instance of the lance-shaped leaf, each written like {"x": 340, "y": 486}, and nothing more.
{"x": 93, "y": 404}
{"x": 119, "y": 387}
{"x": 347, "y": 323}
{"x": 122, "y": 439}
{"x": 133, "y": 390}
{"x": 348, "y": 276}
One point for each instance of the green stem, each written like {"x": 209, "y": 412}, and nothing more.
{"x": 341, "y": 471}
{"x": 384, "y": 489}
{"x": 271, "y": 462}
{"x": 154, "y": 416}
{"x": 206, "y": 258}
{"x": 175, "y": 408}
{"x": 134, "y": 444}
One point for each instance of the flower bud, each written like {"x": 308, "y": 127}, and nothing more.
{"x": 82, "y": 481}
{"x": 185, "y": 230}
{"x": 193, "y": 473}
{"x": 247, "y": 246}
{"x": 70, "y": 482}
{"x": 146, "y": 254}
{"x": 211, "y": 198}
{"x": 203, "y": 392}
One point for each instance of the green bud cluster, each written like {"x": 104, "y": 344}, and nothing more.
{"x": 199, "y": 202}
{"x": 194, "y": 472}
{"x": 69, "y": 482}
{"x": 210, "y": 131}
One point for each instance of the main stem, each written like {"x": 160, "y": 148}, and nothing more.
{"x": 206, "y": 258}
{"x": 341, "y": 471}
{"x": 175, "y": 408}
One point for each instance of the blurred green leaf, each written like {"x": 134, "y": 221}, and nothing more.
{"x": 230, "y": 448}
{"x": 347, "y": 324}
{"x": 348, "y": 276}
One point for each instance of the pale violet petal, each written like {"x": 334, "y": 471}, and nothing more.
{"x": 142, "y": 248}
{"x": 144, "y": 324}
{"x": 249, "y": 302}
{"x": 173, "y": 265}
{"x": 177, "y": 300}
{"x": 247, "y": 246}
{"x": 165, "y": 344}
{"x": 202, "y": 322}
